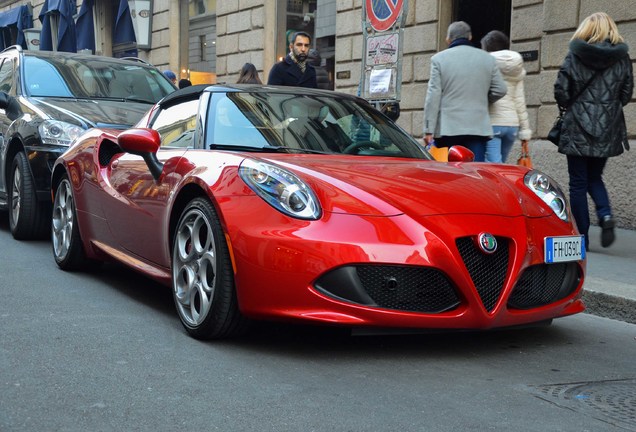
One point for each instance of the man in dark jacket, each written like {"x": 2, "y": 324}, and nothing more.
{"x": 294, "y": 69}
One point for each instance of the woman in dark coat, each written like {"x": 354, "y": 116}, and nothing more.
{"x": 593, "y": 84}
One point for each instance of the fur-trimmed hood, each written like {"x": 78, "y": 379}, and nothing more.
{"x": 598, "y": 56}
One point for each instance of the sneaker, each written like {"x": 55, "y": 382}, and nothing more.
{"x": 607, "y": 233}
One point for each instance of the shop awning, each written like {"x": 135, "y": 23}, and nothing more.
{"x": 85, "y": 27}
{"x": 123, "y": 32}
{"x": 66, "y": 33}
{"x": 21, "y": 19}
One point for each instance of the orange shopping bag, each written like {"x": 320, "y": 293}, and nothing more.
{"x": 524, "y": 157}
{"x": 439, "y": 153}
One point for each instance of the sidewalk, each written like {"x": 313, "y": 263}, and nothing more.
{"x": 610, "y": 284}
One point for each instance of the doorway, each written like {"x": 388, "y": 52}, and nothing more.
{"x": 483, "y": 16}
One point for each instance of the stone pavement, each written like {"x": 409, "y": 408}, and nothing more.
{"x": 610, "y": 284}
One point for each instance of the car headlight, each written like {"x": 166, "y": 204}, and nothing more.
{"x": 549, "y": 191}
{"x": 281, "y": 189}
{"x": 60, "y": 133}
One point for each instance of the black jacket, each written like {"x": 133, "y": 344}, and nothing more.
{"x": 594, "y": 124}
{"x": 287, "y": 73}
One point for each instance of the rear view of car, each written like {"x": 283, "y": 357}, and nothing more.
{"x": 49, "y": 99}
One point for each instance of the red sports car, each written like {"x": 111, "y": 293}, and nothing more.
{"x": 265, "y": 203}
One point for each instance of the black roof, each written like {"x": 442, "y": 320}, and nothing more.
{"x": 196, "y": 90}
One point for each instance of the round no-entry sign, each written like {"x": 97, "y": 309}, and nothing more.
{"x": 382, "y": 14}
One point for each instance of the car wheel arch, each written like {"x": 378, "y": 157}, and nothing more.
{"x": 185, "y": 195}
{"x": 15, "y": 146}
{"x": 56, "y": 176}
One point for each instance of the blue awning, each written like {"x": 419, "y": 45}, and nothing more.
{"x": 123, "y": 32}
{"x": 86, "y": 27}
{"x": 66, "y": 33}
{"x": 19, "y": 17}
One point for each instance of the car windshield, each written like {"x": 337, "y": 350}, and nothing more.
{"x": 304, "y": 123}
{"x": 93, "y": 78}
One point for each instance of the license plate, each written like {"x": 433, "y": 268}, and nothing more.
{"x": 564, "y": 249}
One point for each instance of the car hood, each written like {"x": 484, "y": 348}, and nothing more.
{"x": 103, "y": 113}
{"x": 388, "y": 186}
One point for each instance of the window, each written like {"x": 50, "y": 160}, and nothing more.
{"x": 177, "y": 124}
{"x": 229, "y": 125}
{"x": 202, "y": 7}
{"x": 203, "y": 45}
{"x": 6, "y": 75}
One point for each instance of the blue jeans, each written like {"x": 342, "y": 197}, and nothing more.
{"x": 476, "y": 144}
{"x": 499, "y": 146}
{"x": 586, "y": 177}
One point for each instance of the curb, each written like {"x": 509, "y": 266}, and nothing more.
{"x": 610, "y": 306}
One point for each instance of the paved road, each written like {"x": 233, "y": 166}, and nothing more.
{"x": 104, "y": 351}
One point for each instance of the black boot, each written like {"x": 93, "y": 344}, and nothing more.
{"x": 607, "y": 233}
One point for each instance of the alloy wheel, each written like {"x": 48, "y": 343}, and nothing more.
{"x": 15, "y": 194}
{"x": 194, "y": 267}
{"x": 63, "y": 220}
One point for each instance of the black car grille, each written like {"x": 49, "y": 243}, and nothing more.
{"x": 488, "y": 271}
{"x": 544, "y": 284}
{"x": 416, "y": 289}
{"x": 403, "y": 288}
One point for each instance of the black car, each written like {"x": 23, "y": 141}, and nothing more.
{"x": 47, "y": 99}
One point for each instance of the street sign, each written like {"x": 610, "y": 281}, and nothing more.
{"x": 383, "y": 14}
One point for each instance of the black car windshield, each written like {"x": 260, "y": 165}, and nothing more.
{"x": 276, "y": 121}
{"x": 93, "y": 78}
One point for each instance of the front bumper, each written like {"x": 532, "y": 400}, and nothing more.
{"x": 401, "y": 272}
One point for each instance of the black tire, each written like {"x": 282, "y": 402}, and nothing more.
{"x": 202, "y": 276}
{"x": 28, "y": 217}
{"x": 68, "y": 250}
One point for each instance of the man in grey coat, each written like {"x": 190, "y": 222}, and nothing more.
{"x": 464, "y": 80}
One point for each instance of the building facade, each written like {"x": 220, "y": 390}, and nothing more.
{"x": 208, "y": 41}
{"x": 251, "y": 31}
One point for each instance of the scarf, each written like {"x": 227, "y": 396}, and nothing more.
{"x": 302, "y": 65}
{"x": 460, "y": 41}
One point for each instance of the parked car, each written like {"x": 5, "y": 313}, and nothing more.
{"x": 46, "y": 100}
{"x": 256, "y": 202}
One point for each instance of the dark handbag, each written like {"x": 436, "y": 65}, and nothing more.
{"x": 555, "y": 132}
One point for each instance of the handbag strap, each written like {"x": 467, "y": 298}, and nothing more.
{"x": 580, "y": 92}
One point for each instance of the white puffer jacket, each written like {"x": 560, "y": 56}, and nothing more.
{"x": 511, "y": 109}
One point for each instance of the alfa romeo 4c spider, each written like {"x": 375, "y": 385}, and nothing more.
{"x": 287, "y": 204}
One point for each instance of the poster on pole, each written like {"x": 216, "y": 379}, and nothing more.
{"x": 382, "y": 22}
{"x": 382, "y": 49}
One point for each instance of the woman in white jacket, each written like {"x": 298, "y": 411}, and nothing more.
{"x": 508, "y": 115}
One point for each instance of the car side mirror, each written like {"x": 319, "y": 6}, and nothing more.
{"x": 145, "y": 143}
{"x": 460, "y": 154}
{"x": 10, "y": 106}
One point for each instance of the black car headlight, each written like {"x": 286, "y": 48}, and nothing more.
{"x": 549, "y": 191}
{"x": 55, "y": 132}
{"x": 281, "y": 189}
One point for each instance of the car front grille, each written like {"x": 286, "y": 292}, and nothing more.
{"x": 488, "y": 271}
{"x": 543, "y": 284}
{"x": 403, "y": 288}
{"x": 417, "y": 289}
